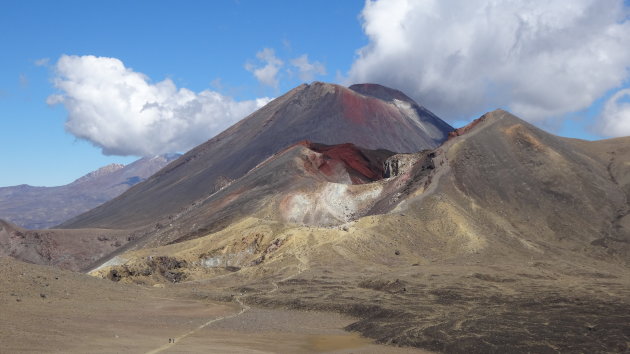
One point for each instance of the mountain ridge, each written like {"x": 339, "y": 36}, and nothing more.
{"x": 42, "y": 207}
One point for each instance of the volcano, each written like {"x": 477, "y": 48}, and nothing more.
{"x": 370, "y": 116}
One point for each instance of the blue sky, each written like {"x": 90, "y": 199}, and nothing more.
{"x": 210, "y": 47}
{"x": 192, "y": 42}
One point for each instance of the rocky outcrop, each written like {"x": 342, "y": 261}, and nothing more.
{"x": 400, "y": 164}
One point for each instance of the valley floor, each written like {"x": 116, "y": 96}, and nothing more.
{"x": 46, "y": 310}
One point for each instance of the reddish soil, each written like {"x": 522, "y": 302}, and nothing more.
{"x": 363, "y": 165}
{"x": 351, "y": 156}
{"x": 465, "y": 129}
{"x": 357, "y": 107}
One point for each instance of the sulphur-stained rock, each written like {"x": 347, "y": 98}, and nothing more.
{"x": 399, "y": 164}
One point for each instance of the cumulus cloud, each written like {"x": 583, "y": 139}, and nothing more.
{"x": 123, "y": 113}
{"x": 540, "y": 59}
{"x": 307, "y": 70}
{"x": 266, "y": 72}
{"x": 614, "y": 120}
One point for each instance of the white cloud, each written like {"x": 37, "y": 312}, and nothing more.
{"x": 540, "y": 59}
{"x": 307, "y": 70}
{"x": 268, "y": 73}
{"x": 614, "y": 120}
{"x": 123, "y": 113}
{"x": 42, "y": 62}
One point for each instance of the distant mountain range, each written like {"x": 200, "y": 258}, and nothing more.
{"x": 43, "y": 207}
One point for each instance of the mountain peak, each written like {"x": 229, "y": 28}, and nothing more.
{"x": 105, "y": 170}
{"x": 381, "y": 92}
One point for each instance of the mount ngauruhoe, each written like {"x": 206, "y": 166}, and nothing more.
{"x": 495, "y": 237}
{"x": 369, "y": 116}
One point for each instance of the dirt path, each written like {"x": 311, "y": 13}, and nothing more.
{"x": 178, "y": 339}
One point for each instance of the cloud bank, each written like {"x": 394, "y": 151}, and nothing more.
{"x": 539, "y": 59}
{"x": 123, "y": 113}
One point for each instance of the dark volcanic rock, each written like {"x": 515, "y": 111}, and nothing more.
{"x": 68, "y": 249}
